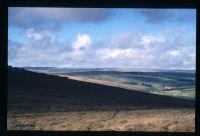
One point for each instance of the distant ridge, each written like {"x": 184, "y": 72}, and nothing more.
{"x": 66, "y": 69}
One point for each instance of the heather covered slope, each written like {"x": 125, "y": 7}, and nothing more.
{"x": 30, "y": 91}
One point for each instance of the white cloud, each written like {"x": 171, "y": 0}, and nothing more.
{"x": 107, "y": 53}
{"x": 137, "y": 40}
{"x": 174, "y": 53}
{"x": 82, "y": 41}
{"x": 127, "y": 58}
{"x": 39, "y": 35}
{"x": 33, "y": 35}
{"x": 148, "y": 39}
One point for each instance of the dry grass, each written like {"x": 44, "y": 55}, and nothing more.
{"x": 182, "y": 120}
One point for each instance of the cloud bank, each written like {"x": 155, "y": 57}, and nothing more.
{"x": 51, "y": 18}
{"x": 121, "y": 51}
{"x": 170, "y": 48}
{"x": 162, "y": 15}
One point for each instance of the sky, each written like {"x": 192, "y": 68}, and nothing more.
{"x": 102, "y": 38}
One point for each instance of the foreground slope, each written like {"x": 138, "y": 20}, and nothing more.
{"x": 44, "y": 102}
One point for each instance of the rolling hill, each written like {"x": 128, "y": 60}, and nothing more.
{"x": 37, "y": 92}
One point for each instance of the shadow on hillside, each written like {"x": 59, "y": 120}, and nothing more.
{"x": 36, "y": 92}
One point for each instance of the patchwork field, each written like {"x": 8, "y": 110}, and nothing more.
{"x": 179, "y": 84}
{"x": 186, "y": 92}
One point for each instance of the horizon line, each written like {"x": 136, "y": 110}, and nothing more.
{"x": 102, "y": 68}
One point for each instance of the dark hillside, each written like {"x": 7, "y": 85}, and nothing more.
{"x": 36, "y": 92}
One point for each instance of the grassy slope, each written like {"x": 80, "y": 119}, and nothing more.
{"x": 177, "y": 84}
{"x": 181, "y": 120}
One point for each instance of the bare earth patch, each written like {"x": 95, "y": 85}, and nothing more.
{"x": 168, "y": 120}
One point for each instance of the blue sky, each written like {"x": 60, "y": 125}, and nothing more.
{"x": 91, "y": 38}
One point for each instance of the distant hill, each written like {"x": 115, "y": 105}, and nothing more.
{"x": 36, "y": 92}
{"x": 69, "y": 70}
